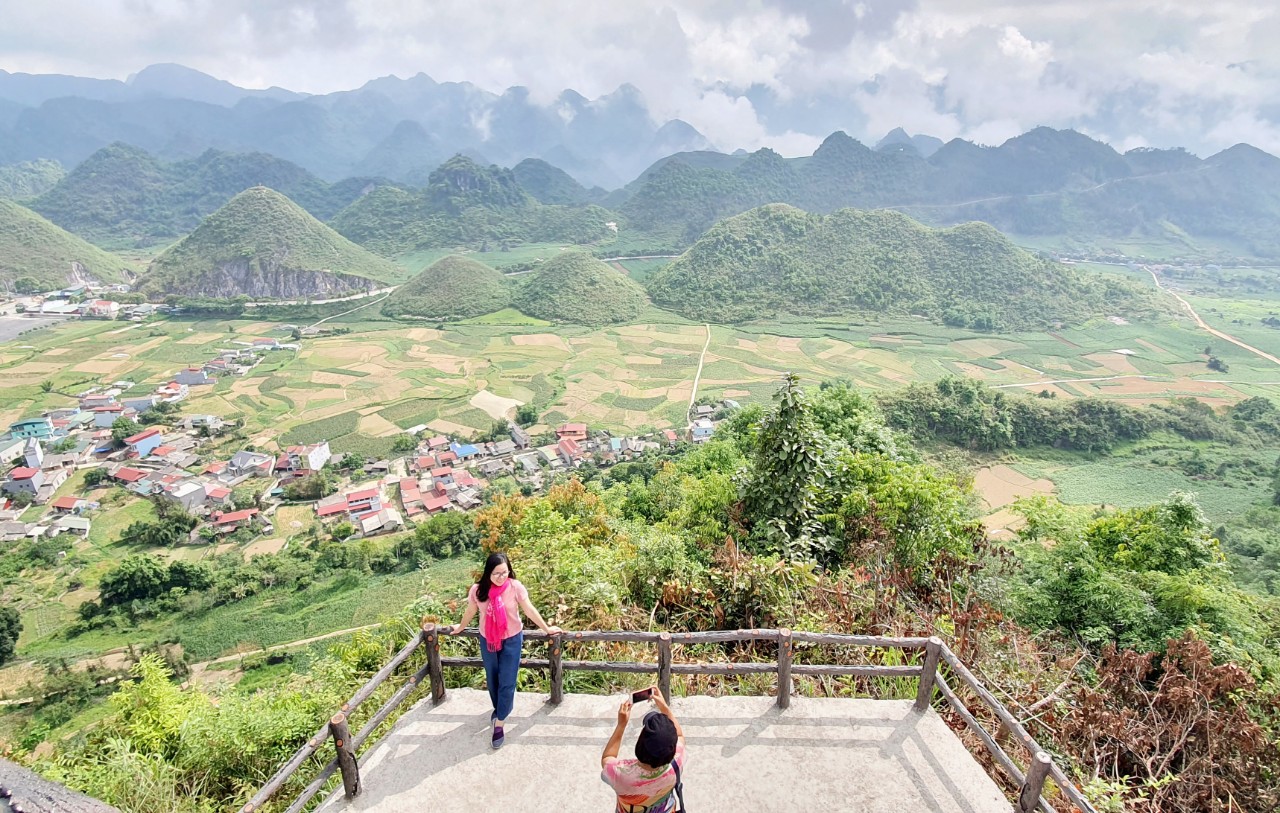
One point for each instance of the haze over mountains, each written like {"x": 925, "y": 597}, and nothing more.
{"x": 400, "y": 128}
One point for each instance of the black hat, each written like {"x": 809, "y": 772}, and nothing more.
{"x": 656, "y": 744}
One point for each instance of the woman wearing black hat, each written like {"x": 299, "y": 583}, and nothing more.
{"x": 647, "y": 783}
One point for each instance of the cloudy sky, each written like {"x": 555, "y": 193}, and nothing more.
{"x": 747, "y": 73}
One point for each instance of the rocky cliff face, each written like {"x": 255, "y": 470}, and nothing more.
{"x": 260, "y": 281}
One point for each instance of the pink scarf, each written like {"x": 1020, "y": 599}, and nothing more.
{"x": 494, "y": 628}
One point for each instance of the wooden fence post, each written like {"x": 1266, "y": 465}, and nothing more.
{"x": 557, "y": 669}
{"x": 664, "y": 665}
{"x": 924, "y": 694}
{"x": 1033, "y": 786}
{"x": 346, "y": 754}
{"x": 784, "y": 668}
{"x": 432, "y": 634}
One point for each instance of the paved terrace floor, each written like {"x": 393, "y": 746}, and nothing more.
{"x": 744, "y": 754}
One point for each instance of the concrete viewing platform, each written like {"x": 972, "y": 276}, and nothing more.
{"x": 744, "y": 754}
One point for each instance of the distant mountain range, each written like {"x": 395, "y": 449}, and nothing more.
{"x": 397, "y": 128}
{"x": 1044, "y": 183}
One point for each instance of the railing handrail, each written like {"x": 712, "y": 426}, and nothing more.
{"x": 1030, "y": 783}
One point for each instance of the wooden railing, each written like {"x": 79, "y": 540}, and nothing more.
{"x": 1030, "y": 782}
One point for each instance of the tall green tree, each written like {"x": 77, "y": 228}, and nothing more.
{"x": 780, "y": 494}
{"x": 10, "y": 629}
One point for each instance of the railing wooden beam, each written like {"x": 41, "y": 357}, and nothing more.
{"x": 664, "y": 665}
{"x": 346, "y": 754}
{"x": 557, "y": 670}
{"x": 784, "y": 668}
{"x": 432, "y": 638}
{"x": 929, "y": 671}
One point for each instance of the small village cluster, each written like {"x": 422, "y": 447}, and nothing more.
{"x": 163, "y": 462}
{"x": 85, "y": 300}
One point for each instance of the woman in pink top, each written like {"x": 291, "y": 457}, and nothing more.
{"x": 498, "y": 598}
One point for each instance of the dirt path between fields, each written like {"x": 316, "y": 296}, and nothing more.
{"x": 1225, "y": 336}
{"x": 698, "y": 375}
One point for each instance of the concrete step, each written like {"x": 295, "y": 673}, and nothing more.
{"x": 744, "y": 754}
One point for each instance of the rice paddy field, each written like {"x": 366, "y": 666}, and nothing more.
{"x": 361, "y": 389}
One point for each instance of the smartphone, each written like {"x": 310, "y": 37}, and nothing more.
{"x": 642, "y": 695}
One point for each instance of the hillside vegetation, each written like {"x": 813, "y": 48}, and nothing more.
{"x": 37, "y": 255}
{"x": 264, "y": 246}
{"x": 123, "y": 195}
{"x": 777, "y": 259}
{"x": 451, "y": 288}
{"x": 30, "y": 178}
{"x": 579, "y": 289}
{"x": 465, "y": 205}
{"x": 1044, "y": 183}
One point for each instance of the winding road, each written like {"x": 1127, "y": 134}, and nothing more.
{"x": 698, "y": 375}
{"x": 1224, "y": 336}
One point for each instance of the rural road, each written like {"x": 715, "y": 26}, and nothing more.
{"x": 352, "y": 298}
{"x": 353, "y": 310}
{"x": 698, "y": 375}
{"x": 1213, "y": 330}
{"x": 198, "y": 668}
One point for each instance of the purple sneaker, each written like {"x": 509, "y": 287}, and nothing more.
{"x": 497, "y": 736}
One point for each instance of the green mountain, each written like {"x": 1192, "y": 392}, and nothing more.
{"x": 30, "y": 178}
{"x": 1044, "y": 183}
{"x": 123, "y": 195}
{"x": 778, "y": 259}
{"x": 550, "y": 184}
{"x": 264, "y": 246}
{"x": 465, "y": 204}
{"x": 37, "y": 255}
{"x": 451, "y": 288}
{"x": 577, "y": 288}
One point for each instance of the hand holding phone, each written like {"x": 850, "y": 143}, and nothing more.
{"x": 642, "y": 695}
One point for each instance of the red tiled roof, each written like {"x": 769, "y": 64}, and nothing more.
{"x": 163, "y": 450}
{"x": 235, "y": 516}
{"x": 443, "y": 471}
{"x": 363, "y": 495}
{"x": 219, "y": 493}
{"x": 23, "y": 473}
{"x": 569, "y": 446}
{"x": 330, "y": 510}
{"x": 109, "y": 408}
{"x": 141, "y": 436}
{"x": 446, "y": 457}
{"x": 435, "y": 502}
{"x": 67, "y": 503}
{"x": 574, "y": 428}
{"x": 216, "y": 467}
{"x": 438, "y": 440}
{"x": 426, "y": 462}
{"x": 129, "y": 475}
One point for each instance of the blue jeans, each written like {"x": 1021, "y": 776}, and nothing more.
{"x": 500, "y": 670}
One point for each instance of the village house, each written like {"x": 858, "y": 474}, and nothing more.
{"x": 79, "y": 526}
{"x": 577, "y": 432}
{"x": 519, "y": 437}
{"x": 701, "y": 430}
{"x": 569, "y": 451}
{"x": 422, "y": 463}
{"x": 12, "y": 530}
{"x": 105, "y": 416}
{"x": 233, "y": 521}
{"x": 411, "y": 496}
{"x": 502, "y": 448}
{"x": 385, "y": 520}
{"x": 39, "y": 428}
{"x": 143, "y": 443}
{"x": 464, "y": 451}
{"x": 194, "y": 377}
{"x": 92, "y": 401}
{"x": 71, "y": 505}
{"x": 189, "y": 494}
{"x": 140, "y": 403}
{"x": 172, "y": 392}
{"x": 211, "y": 423}
{"x": 437, "y": 443}
{"x": 301, "y": 461}
{"x": 245, "y": 464}
{"x": 24, "y": 480}
{"x": 102, "y": 309}
{"x": 495, "y": 468}
{"x": 670, "y": 436}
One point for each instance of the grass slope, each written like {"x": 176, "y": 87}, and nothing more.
{"x": 31, "y": 246}
{"x": 451, "y": 288}
{"x": 263, "y": 245}
{"x": 776, "y": 259}
{"x": 579, "y": 289}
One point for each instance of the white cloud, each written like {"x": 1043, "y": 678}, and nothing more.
{"x": 1159, "y": 72}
